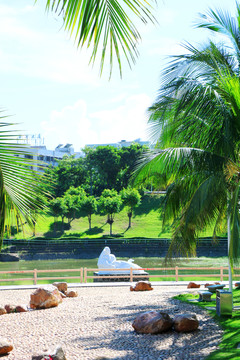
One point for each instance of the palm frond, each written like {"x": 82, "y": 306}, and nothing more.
{"x": 224, "y": 23}
{"x": 106, "y": 25}
{"x": 19, "y": 183}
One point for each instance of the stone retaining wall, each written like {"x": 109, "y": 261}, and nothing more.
{"x": 48, "y": 250}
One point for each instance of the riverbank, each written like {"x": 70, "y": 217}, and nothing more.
{"x": 52, "y": 249}
{"x": 98, "y": 324}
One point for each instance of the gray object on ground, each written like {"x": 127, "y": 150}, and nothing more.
{"x": 205, "y": 295}
{"x": 214, "y": 288}
{"x": 224, "y": 303}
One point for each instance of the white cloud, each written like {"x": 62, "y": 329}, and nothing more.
{"x": 75, "y": 124}
{"x": 69, "y": 125}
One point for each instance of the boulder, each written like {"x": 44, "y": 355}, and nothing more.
{"x": 62, "y": 286}
{"x": 152, "y": 322}
{"x": 56, "y": 354}
{"x": 45, "y": 297}
{"x": 141, "y": 286}
{"x": 10, "y": 308}
{"x": 71, "y": 293}
{"x": 3, "y": 311}
{"x": 193, "y": 285}
{"x": 185, "y": 322}
{"x": 21, "y": 308}
{"x": 62, "y": 295}
{"x": 5, "y": 346}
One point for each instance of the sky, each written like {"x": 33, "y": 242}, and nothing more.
{"x": 48, "y": 87}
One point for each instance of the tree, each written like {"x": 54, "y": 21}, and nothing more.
{"x": 130, "y": 156}
{"x": 88, "y": 208}
{"x": 69, "y": 172}
{"x": 131, "y": 198}
{"x": 105, "y": 161}
{"x": 110, "y": 205}
{"x": 58, "y": 208}
{"x": 196, "y": 122}
{"x": 100, "y": 24}
{"x": 73, "y": 201}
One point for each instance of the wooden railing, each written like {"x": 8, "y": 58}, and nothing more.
{"x": 82, "y": 275}
{"x": 176, "y": 274}
{"x": 35, "y": 273}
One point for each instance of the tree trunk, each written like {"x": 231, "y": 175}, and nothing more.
{"x": 89, "y": 221}
{"x": 129, "y": 219}
{"x": 110, "y": 221}
{"x": 55, "y": 227}
{"x": 34, "y": 228}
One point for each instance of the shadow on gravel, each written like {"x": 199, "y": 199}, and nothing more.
{"x": 123, "y": 339}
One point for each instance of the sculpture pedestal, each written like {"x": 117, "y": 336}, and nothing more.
{"x": 115, "y": 277}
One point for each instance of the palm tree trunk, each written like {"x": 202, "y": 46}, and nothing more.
{"x": 2, "y": 213}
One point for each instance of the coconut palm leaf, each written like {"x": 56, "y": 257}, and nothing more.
{"x": 20, "y": 193}
{"x": 106, "y": 25}
{"x": 196, "y": 124}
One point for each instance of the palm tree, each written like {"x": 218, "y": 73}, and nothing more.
{"x": 196, "y": 123}
{"x": 21, "y": 197}
{"x": 106, "y": 25}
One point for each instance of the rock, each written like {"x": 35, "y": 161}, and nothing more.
{"x": 152, "y": 322}
{"x": 185, "y": 322}
{"x": 56, "y": 354}
{"x": 21, "y": 308}
{"x": 10, "y": 308}
{"x": 207, "y": 284}
{"x": 5, "y": 346}
{"x": 62, "y": 295}
{"x": 141, "y": 286}
{"x": 62, "y": 286}
{"x": 71, "y": 293}
{"x": 3, "y": 311}
{"x": 193, "y": 285}
{"x": 45, "y": 297}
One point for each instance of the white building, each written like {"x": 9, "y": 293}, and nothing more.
{"x": 121, "y": 144}
{"x": 42, "y": 157}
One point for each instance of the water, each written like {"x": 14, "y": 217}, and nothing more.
{"x": 48, "y": 265}
{"x": 27, "y": 278}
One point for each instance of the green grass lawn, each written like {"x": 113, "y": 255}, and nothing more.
{"x": 231, "y": 326}
{"x": 146, "y": 223}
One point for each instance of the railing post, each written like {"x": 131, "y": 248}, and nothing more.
{"x": 221, "y": 273}
{"x": 176, "y": 272}
{"x": 35, "y": 276}
{"x": 85, "y": 275}
{"x": 81, "y": 275}
{"x": 131, "y": 274}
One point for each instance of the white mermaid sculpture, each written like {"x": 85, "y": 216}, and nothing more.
{"x": 108, "y": 261}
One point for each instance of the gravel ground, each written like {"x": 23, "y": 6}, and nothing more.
{"x": 98, "y": 325}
